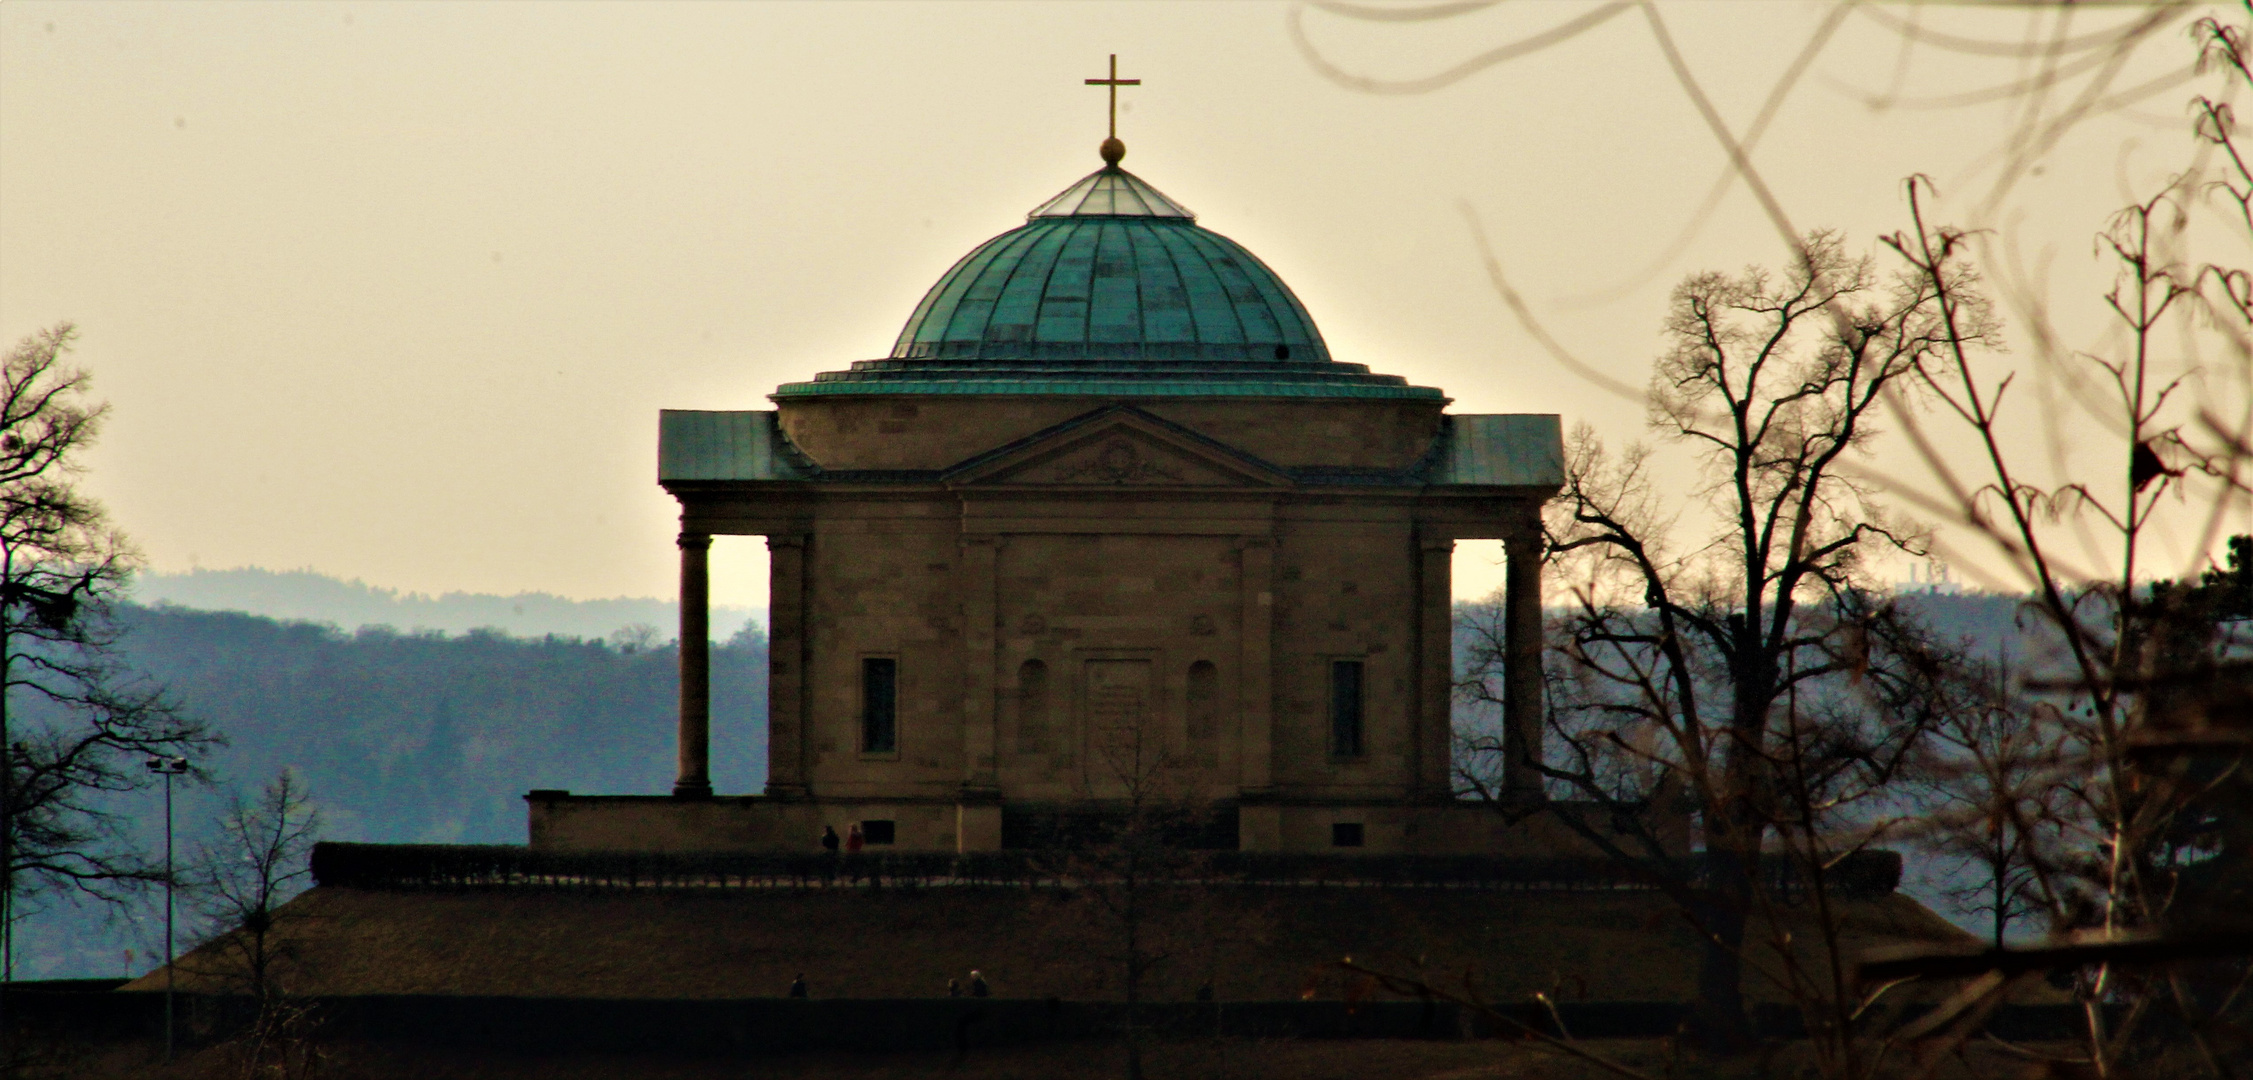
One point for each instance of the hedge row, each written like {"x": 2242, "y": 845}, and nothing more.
{"x": 1866, "y": 873}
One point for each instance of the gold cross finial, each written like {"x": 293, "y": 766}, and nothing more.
{"x": 1113, "y": 149}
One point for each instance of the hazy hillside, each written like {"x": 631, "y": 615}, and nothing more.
{"x": 1987, "y": 623}
{"x": 427, "y": 737}
{"x": 406, "y": 737}
{"x": 413, "y": 737}
{"x": 308, "y": 596}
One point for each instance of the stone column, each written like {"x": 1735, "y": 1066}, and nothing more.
{"x": 1522, "y": 719}
{"x": 1259, "y": 824}
{"x": 786, "y": 666}
{"x": 696, "y": 668}
{"x": 1433, "y": 736}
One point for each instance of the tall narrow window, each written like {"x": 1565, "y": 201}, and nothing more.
{"x": 880, "y": 697}
{"x": 1032, "y": 707}
{"x": 1345, "y": 708}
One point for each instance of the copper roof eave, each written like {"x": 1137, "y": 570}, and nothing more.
{"x": 1508, "y": 454}
{"x": 1441, "y": 489}
{"x": 694, "y": 487}
{"x": 925, "y": 479}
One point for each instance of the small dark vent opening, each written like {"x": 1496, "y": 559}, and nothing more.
{"x": 1282, "y": 352}
{"x": 883, "y": 832}
{"x": 1345, "y": 834}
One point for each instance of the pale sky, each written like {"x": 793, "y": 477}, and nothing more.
{"x": 395, "y": 291}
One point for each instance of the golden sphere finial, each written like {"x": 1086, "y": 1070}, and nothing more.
{"x": 1112, "y": 150}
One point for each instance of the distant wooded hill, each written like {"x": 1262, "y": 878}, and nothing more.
{"x": 410, "y": 737}
{"x": 315, "y": 597}
{"x": 423, "y": 737}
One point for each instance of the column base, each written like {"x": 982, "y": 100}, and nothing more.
{"x": 693, "y": 789}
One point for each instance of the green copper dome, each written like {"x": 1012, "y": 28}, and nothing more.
{"x": 1110, "y": 288}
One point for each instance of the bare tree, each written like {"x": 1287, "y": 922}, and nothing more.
{"x": 259, "y": 862}
{"x": 2140, "y": 673}
{"x": 1138, "y": 859}
{"x": 1990, "y": 777}
{"x": 2094, "y": 816}
{"x": 1730, "y": 647}
{"x": 2129, "y": 657}
{"x": 243, "y": 880}
{"x": 75, "y": 724}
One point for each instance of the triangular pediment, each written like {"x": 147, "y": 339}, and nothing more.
{"x": 1118, "y": 447}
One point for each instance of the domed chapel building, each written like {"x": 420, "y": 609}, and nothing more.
{"x": 1109, "y": 517}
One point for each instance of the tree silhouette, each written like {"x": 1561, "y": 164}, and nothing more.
{"x": 61, "y": 569}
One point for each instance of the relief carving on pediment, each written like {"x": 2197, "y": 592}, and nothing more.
{"x": 1128, "y": 450}
{"x": 1118, "y": 462}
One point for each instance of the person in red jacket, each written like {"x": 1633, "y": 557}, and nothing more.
{"x": 854, "y": 841}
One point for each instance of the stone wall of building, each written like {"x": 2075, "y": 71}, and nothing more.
{"x": 884, "y": 581}
{"x": 937, "y": 432}
{"x": 1138, "y": 600}
{"x": 1346, "y": 589}
{"x": 1097, "y": 633}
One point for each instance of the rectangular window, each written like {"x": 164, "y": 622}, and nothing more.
{"x": 880, "y": 698}
{"x": 878, "y": 832}
{"x": 1345, "y": 834}
{"x": 1345, "y": 708}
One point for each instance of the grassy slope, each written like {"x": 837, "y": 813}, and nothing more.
{"x": 1257, "y": 944}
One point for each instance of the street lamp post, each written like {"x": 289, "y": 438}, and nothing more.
{"x": 168, "y": 767}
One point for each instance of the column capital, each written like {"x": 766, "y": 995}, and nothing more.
{"x": 785, "y": 540}
{"x": 688, "y": 540}
{"x": 1522, "y": 522}
{"x": 1435, "y": 543}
